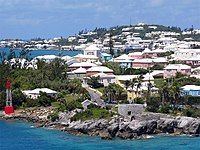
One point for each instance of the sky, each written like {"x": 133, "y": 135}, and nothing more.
{"x": 26, "y": 19}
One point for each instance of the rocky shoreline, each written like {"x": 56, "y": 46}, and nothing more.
{"x": 141, "y": 127}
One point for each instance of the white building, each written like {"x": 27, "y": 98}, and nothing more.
{"x": 34, "y": 94}
{"x": 93, "y": 50}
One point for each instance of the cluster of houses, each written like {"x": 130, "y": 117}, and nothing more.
{"x": 134, "y": 53}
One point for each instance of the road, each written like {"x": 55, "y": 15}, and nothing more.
{"x": 95, "y": 96}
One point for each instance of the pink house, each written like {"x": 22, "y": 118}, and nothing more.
{"x": 172, "y": 69}
{"x": 136, "y": 55}
{"x": 148, "y": 63}
{"x": 192, "y": 61}
{"x": 142, "y": 63}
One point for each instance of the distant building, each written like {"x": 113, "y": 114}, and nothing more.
{"x": 79, "y": 73}
{"x": 99, "y": 69}
{"x": 105, "y": 57}
{"x": 93, "y": 50}
{"x": 192, "y": 90}
{"x": 172, "y": 69}
{"x": 105, "y": 79}
{"x": 34, "y": 94}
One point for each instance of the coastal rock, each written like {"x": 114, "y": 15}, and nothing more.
{"x": 151, "y": 126}
{"x": 105, "y": 135}
{"x": 113, "y": 128}
{"x": 167, "y": 125}
{"x": 194, "y": 127}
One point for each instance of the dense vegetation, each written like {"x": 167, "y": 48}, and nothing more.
{"x": 49, "y": 75}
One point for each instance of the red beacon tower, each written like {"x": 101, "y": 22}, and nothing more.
{"x": 8, "y": 108}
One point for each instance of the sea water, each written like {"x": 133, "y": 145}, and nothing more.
{"x": 35, "y": 53}
{"x": 23, "y": 136}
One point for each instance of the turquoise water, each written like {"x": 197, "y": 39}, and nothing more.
{"x": 35, "y": 53}
{"x": 21, "y": 136}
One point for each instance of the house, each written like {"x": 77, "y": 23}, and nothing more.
{"x": 93, "y": 50}
{"x": 136, "y": 55}
{"x": 187, "y": 53}
{"x": 142, "y": 63}
{"x": 134, "y": 92}
{"x": 79, "y": 73}
{"x": 86, "y": 58}
{"x": 105, "y": 79}
{"x": 47, "y": 58}
{"x": 99, "y": 69}
{"x": 172, "y": 69}
{"x": 192, "y": 90}
{"x": 124, "y": 61}
{"x": 85, "y": 65}
{"x": 34, "y": 94}
{"x": 105, "y": 57}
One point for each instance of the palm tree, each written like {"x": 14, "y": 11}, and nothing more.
{"x": 139, "y": 84}
{"x": 127, "y": 84}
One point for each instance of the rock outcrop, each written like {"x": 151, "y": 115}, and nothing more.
{"x": 145, "y": 124}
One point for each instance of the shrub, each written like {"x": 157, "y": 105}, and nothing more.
{"x": 139, "y": 100}
{"x": 94, "y": 113}
{"x": 153, "y": 104}
{"x": 165, "y": 109}
{"x": 192, "y": 112}
{"x": 193, "y": 100}
{"x": 53, "y": 117}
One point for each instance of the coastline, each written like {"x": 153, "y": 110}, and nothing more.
{"x": 145, "y": 126}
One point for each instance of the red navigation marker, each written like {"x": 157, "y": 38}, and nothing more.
{"x": 9, "y": 109}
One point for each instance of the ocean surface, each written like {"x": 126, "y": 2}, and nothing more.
{"x": 35, "y": 53}
{"x": 23, "y": 136}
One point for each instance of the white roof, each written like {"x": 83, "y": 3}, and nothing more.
{"x": 124, "y": 56}
{"x": 148, "y": 77}
{"x": 135, "y": 53}
{"x": 177, "y": 66}
{"x": 99, "y": 69}
{"x": 86, "y": 56}
{"x": 83, "y": 64}
{"x": 47, "y": 57}
{"x": 190, "y": 87}
{"x": 92, "y": 47}
{"x": 146, "y": 50}
{"x": 145, "y": 60}
{"x": 158, "y": 51}
{"x": 79, "y": 70}
{"x": 103, "y": 75}
{"x": 156, "y": 72}
{"x": 38, "y": 90}
{"x": 160, "y": 59}
{"x": 126, "y": 77}
{"x": 66, "y": 57}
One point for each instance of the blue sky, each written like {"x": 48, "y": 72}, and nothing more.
{"x": 52, "y": 18}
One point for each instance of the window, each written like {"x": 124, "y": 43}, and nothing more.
{"x": 129, "y": 113}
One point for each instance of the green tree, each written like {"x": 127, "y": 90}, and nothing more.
{"x": 115, "y": 67}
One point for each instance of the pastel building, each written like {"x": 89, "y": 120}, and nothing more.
{"x": 136, "y": 55}
{"x": 93, "y": 50}
{"x": 148, "y": 62}
{"x": 172, "y": 69}
{"x": 105, "y": 57}
{"x": 105, "y": 79}
{"x": 124, "y": 61}
{"x": 192, "y": 90}
{"x": 99, "y": 69}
